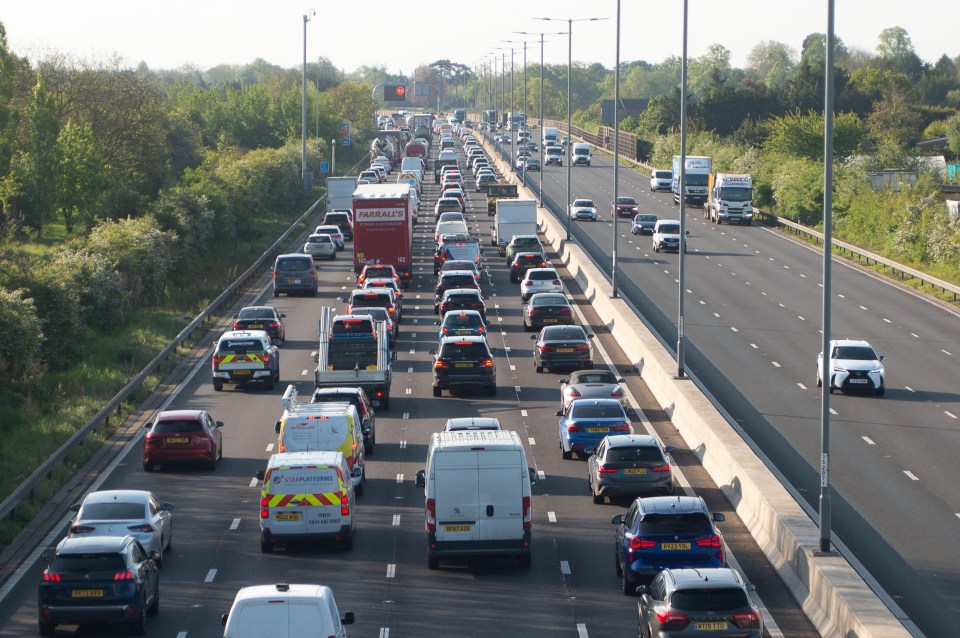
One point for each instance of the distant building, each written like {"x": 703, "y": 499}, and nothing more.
{"x": 628, "y": 108}
{"x": 936, "y": 144}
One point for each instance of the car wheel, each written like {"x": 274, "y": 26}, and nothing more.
{"x": 46, "y": 628}
{"x": 526, "y": 560}
{"x": 492, "y": 391}
{"x": 881, "y": 391}
{"x": 278, "y": 342}
{"x": 159, "y": 561}
{"x": 819, "y": 382}
{"x": 266, "y": 546}
{"x": 539, "y": 368}
{"x": 217, "y": 385}
{"x": 212, "y": 464}
{"x": 347, "y": 544}
{"x": 276, "y": 293}
{"x": 656, "y": 248}
{"x": 564, "y": 454}
{"x": 147, "y": 466}
{"x": 313, "y": 292}
{"x": 271, "y": 382}
{"x": 433, "y": 562}
{"x": 359, "y": 489}
{"x": 597, "y": 499}
{"x": 831, "y": 389}
{"x": 616, "y": 561}
{"x": 155, "y": 607}
{"x": 385, "y": 403}
{"x": 437, "y": 391}
{"x": 139, "y": 626}
{"x": 629, "y": 589}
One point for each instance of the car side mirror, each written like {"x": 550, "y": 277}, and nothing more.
{"x": 259, "y": 475}
{"x": 167, "y": 507}
{"x": 283, "y": 315}
{"x": 393, "y": 355}
{"x": 669, "y": 449}
{"x": 533, "y": 475}
{"x": 219, "y": 424}
{"x": 620, "y": 381}
{"x": 316, "y": 356}
{"x": 276, "y": 427}
{"x": 155, "y": 556}
{"x": 75, "y": 507}
{"x": 49, "y": 555}
{"x": 688, "y": 232}
{"x": 223, "y": 619}
{"x": 533, "y": 337}
{"x": 717, "y": 517}
{"x": 590, "y": 335}
{"x": 617, "y": 520}
{"x": 433, "y": 351}
{"x": 641, "y": 590}
{"x": 564, "y": 381}
{"x": 316, "y": 266}
{"x": 882, "y": 357}
{"x": 421, "y": 478}
{"x": 559, "y": 412}
{"x": 348, "y": 618}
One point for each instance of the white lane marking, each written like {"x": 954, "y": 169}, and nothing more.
{"x": 734, "y": 328}
{"x": 801, "y": 386}
{"x": 868, "y": 440}
{"x": 717, "y": 315}
{"x": 396, "y": 520}
{"x": 944, "y": 352}
{"x": 415, "y": 321}
{"x": 863, "y": 307}
{"x": 182, "y": 634}
{"x": 911, "y": 475}
{"x": 552, "y": 517}
{"x": 412, "y": 351}
{"x": 800, "y": 317}
{"x": 914, "y": 335}
{"x": 506, "y": 348}
{"x": 235, "y": 524}
{"x": 409, "y": 369}
{"x": 582, "y": 631}
{"x": 409, "y": 390}
{"x": 803, "y": 275}
{"x": 523, "y": 413}
{"x": 754, "y": 346}
{"x": 950, "y": 414}
{"x": 832, "y": 411}
{"x": 406, "y": 415}
{"x": 391, "y": 570}
{"x": 842, "y": 296}
{"x": 413, "y": 335}
{"x": 532, "y": 441}
{"x": 270, "y": 447}
{"x": 253, "y": 482}
{"x": 303, "y": 373}
{"x": 702, "y": 302}
{"x": 909, "y": 389}
{"x": 513, "y": 368}
{"x": 775, "y": 364}
{"x": 403, "y": 444}
{"x": 384, "y": 632}
{"x": 565, "y": 567}
{"x": 541, "y": 475}
{"x": 517, "y": 388}
{"x": 887, "y": 320}
{"x": 781, "y": 305}
{"x": 400, "y": 478}
{"x": 210, "y": 576}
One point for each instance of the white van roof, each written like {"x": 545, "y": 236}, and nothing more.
{"x": 469, "y": 439}
{"x": 304, "y": 459}
{"x": 283, "y": 590}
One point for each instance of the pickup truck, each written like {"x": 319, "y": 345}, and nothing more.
{"x": 354, "y": 361}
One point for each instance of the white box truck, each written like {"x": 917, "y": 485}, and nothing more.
{"x": 550, "y": 134}
{"x": 478, "y": 501}
{"x": 513, "y": 217}
{"x": 340, "y": 193}
{"x": 697, "y": 172}
{"x": 730, "y": 199}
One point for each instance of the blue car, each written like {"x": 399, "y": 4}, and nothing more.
{"x": 665, "y": 532}
{"x": 463, "y": 323}
{"x": 585, "y": 422}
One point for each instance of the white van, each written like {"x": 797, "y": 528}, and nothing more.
{"x": 478, "y": 499}
{"x": 306, "y": 496}
{"x": 285, "y": 611}
{"x": 581, "y": 155}
{"x": 411, "y": 164}
{"x": 455, "y": 227}
{"x": 315, "y": 427}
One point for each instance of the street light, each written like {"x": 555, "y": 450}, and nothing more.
{"x": 616, "y": 159}
{"x": 524, "y": 103}
{"x": 542, "y": 155}
{"x": 570, "y": 22}
{"x": 303, "y": 107}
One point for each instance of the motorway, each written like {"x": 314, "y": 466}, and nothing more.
{"x": 572, "y": 589}
{"x": 752, "y": 322}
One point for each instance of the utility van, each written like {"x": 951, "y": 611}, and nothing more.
{"x": 285, "y": 611}
{"x": 478, "y": 500}
{"x": 306, "y": 496}
{"x": 581, "y": 155}
{"x": 316, "y": 427}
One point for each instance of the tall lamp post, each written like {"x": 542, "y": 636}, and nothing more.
{"x": 524, "y": 103}
{"x": 616, "y": 158}
{"x": 570, "y": 22}
{"x": 681, "y": 337}
{"x": 303, "y": 108}
{"x": 540, "y": 178}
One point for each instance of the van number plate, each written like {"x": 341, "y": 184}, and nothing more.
{"x": 457, "y": 528}
{"x": 287, "y": 516}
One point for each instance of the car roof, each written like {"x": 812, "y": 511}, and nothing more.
{"x": 177, "y": 415}
{"x": 631, "y": 440}
{"x": 118, "y": 496}
{"x": 850, "y": 342}
{"x": 705, "y": 578}
{"x": 283, "y": 591}
{"x": 93, "y": 544}
{"x": 671, "y": 504}
{"x": 243, "y": 334}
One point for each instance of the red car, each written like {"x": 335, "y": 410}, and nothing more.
{"x": 178, "y": 436}
{"x": 625, "y": 207}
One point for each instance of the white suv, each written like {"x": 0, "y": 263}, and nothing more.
{"x": 539, "y": 280}
{"x": 854, "y": 365}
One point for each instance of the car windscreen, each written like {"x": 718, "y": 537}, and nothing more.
{"x": 861, "y": 353}
{"x": 675, "y": 524}
{"x": 669, "y": 229}
{"x": 709, "y": 599}
{"x": 463, "y": 351}
{"x": 179, "y": 425}
{"x": 256, "y": 313}
{"x": 594, "y": 377}
{"x": 645, "y": 218}
{"x": 352, "y": 327}
{"x": 290, "y": 264}
{"x": 112, "y": 511}
{"x": 593, "y": 411}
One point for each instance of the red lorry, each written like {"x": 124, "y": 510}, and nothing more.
{"x": 383, "y": 228}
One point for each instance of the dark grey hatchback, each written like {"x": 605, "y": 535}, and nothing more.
{"x": 461, "y": 362}
{"x": 294, "y": 272}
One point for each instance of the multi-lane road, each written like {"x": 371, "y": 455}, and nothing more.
{"x": 572, "y": 589}
{"x": 753, "y": 302}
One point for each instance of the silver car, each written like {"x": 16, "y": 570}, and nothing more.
{"x": 583, "y": 209}
{"x": 539, "y": 280}
{"x": 335, "y": 233}
{"x": 591, "y": 384}
{"x": 125, "y": 513}
{"x": 318, "y": 246}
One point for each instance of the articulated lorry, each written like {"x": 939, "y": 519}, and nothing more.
{"x": 698, "y": 169}
{"x": 383, "y": 216}
{"x": 729, "y": 199}
{"x": 514, "y": 217}
{"x": 352, "y": 362}
{"x": 340, "y": 193}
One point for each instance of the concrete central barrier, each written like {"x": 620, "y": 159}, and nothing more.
{"x": 830, "y": 591}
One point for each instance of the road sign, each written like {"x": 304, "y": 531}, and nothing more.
{"x": 324, "y": 167}
{"x": 345, "y": 133}
{"x": 394, "y": 93}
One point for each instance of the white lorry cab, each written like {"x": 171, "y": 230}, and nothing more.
{"x": 285, "y": 611}
{"x": 306, "y": 497}
{"x": 478, "y": 501}
{"x": 581, "y": 155}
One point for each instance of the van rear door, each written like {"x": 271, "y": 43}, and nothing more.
{"x": 455, "y": 493}
{"x": 500, "y": 495}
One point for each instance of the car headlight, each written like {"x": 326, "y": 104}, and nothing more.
{"x": 837, "y": 368}
{"x": 877, "y": 371}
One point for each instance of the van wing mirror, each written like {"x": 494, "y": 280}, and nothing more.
{"x": 223, "y": 619}
{"x": 276, "y": 427}
{"x": 259, "y": 475}
{"x": 533, "y": 475}
{"x": 421, "y": 479}
{"x": 348, "y": 618}
{"x": 718, "y": 517}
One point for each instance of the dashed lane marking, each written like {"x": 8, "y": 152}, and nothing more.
{"x": 235, "y": 524}
{"x": 552, "y": 517}
{"x": 210, "y": 576}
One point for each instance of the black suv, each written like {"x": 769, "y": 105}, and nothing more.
{"x": 454, "y": 279}
{"x": 106, "y": 579}
{"x": 461, "y": 299}
{"x": 688, "y": 602}
{"x": 463, "y": 362}
{"x": 522, "y": 243}
{"x": 264, "y": 318}
{"x": 524, "y": 262}
{"x": 340, "y": 219}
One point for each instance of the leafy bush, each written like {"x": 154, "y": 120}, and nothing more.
{"x": 98, "y": 288}
{"x": 23, "y": 337}
{"x": 141, "y": 253}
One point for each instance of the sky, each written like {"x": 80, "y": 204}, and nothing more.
{"x": 174, "y": 34}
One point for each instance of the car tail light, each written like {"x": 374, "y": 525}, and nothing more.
{"x": 439, "y": 363}
{"x": 710, "y": 541}
{"x": 264, "y": 511}
{"x": 237, "y": 325}
{"x": 275, "y": 274}
{"x": 445, "y": 330}
{"x": 81, "y": 529}
{"x": 573, "y": 427}
{"x": 573, "y": 394}
{"x": 621, "y": 427}
{"x": 745, "y": 618}
{"x": 661, "y": 468}
{"x": 566, "y": 310}
{"x": 582, "y": 347}
{"x": 642, "y": 543}
{"x": 486, "y": 363}
{"x": 618, "y": 393}
{"x": 266, "y": 358}
{"x": 607, "y": 470}
{"x": 52, "y": 578}
{"x": 665, "y": 615}
{"x": 527, "y": 513}
{"x": 345, "y": 506}
{"x": 124, "y": 575}
{"x": 546, "y": 348}
{"x": 431, "y": 513}
{"x": 142, "y": 529}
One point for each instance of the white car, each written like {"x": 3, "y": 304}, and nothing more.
{"x": 854, "y": 365}
{"x": 583, "y": 209}
{"x": 661, "y": 181}
{"x": 335, "y": 233}
{"x": 125, "y": 513}
{"x": 320, "y": 246}
{"x": 666, "y": 235}
{"x": 539, "y": 280}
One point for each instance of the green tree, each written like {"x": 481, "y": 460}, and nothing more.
{"x": 896, "y": 52}
{"x": 798, "y": 190}
{"x": 40, "y": 160}
{"x": 952, "y": 126}
{"x": 140, "y": 251}
{"x": 771, "y": 63}
{"x": 20, "y": 350}
{"x": 82, "y": 174}
{"x": 8, "y": 110}
{"x": 801, "y": 136}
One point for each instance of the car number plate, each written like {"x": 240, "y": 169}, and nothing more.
{"x": 256, "y": 326}
{"x": 294, "y": 281}
{"x": 177, "y": 439}
{"x": 287, "y": 516}
{"x": 674, "y": 546}
{"x": 551, "y": 320}
{"x": 241, "y": 373}
{"x": 635, "y": 470}
{"x": 857, "y": 381}
{"x": 87, "y": 593}
{"x": 598, "y": 429}
{"x": 462, "y": 332}
{"x": 564, "y": 349}
{"x": 457, "y": 528}
{"x": 710, "y": 626}
{"x": 463, "y": 364}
